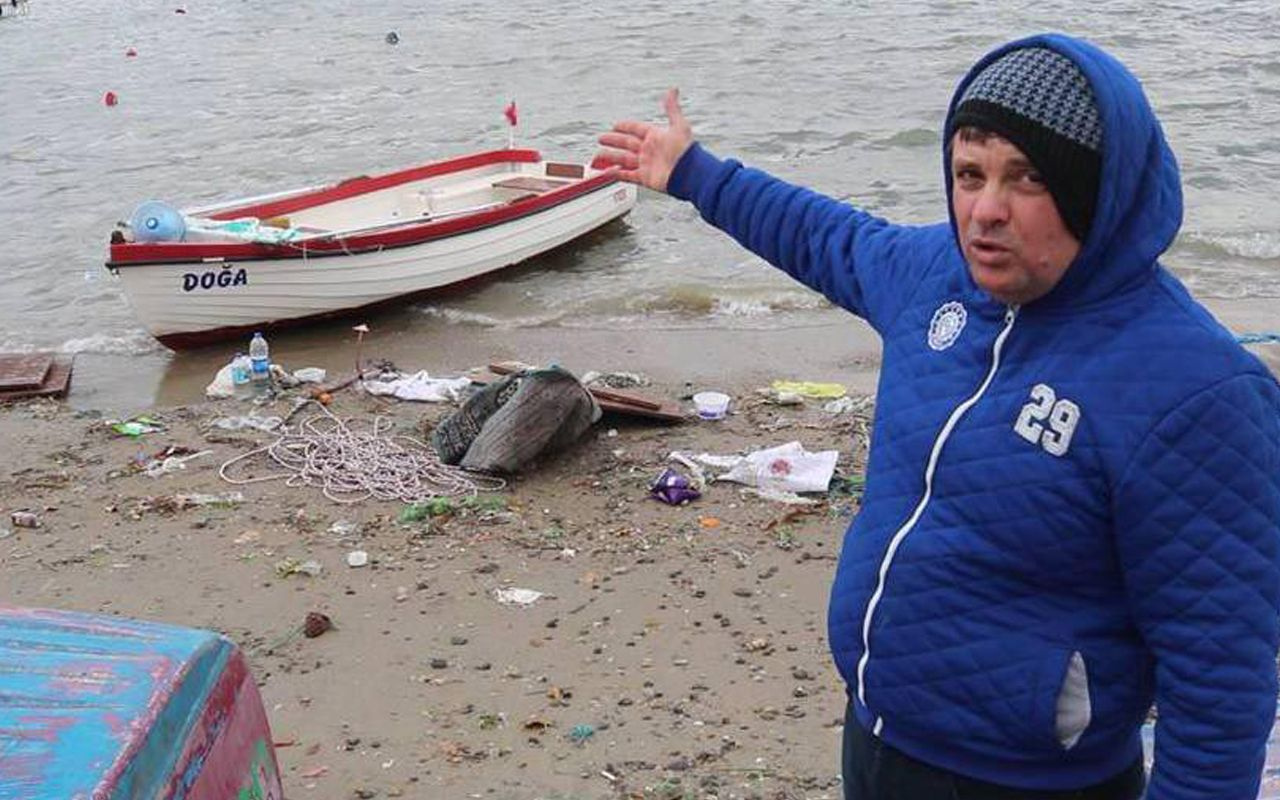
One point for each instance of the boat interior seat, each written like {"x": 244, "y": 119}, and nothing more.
{"x": 414, "y": 205}
{"x": 521, "y": 197}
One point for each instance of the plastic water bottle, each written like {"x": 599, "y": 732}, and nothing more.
{"x": 241, "y": 367}
{"x": 260, "y": 362}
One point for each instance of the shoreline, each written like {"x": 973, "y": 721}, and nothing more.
{"x": 843, "y": 350}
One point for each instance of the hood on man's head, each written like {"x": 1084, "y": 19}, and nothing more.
{"x": 1040, "y": 102}
{"x": 1083, "y": 120}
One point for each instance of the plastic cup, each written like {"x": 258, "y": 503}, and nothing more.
{"x": 711, "y": 405}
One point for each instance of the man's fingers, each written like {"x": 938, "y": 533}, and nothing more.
{"x": 621, "y": 158}
{"x": 632, "y": 128}
{"x": 620, "y": 141}
{"x": 671, "y": 104}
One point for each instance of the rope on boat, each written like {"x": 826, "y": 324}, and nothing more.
{"x": 353, "y": 460}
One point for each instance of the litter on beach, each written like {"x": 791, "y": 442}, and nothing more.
{"x": 515, "y": 596}
{"x": 673, "y": 488}
{"x": 171, "y": 459}
{"x": 357, "y": 558}
{"x": 824, "y": 391}
{"x": 418, "y": 386}
{"x": 137, "y": 426}
{"x": 785, "y": 468}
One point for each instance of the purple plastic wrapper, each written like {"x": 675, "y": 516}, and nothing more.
{"x": 673, "y": 488}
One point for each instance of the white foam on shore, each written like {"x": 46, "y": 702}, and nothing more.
{"x": 676, "y": 307}
{"x": 766, "y": 306}
{"x": 457, "y": 316}
{"x": 132, "y": 343}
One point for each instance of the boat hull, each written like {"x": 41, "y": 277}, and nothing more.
{"x": 103, "y": 707}
{"x": 188, "y": 304}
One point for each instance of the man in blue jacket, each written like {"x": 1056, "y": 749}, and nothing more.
{"x": 1073, "y": 496}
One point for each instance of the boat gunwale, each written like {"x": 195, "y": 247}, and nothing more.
{"x": 411, "y": 233}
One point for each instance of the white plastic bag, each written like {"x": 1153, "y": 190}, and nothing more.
{"x": 419, "y": 386}
{"x": 785, "y": 468}
{"x": 222, "y": 385}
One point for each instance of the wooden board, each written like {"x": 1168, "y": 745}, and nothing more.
{"x": 54, "y": 382}
{"x": 24, "y": 370}
{"x": 526, "y": 183}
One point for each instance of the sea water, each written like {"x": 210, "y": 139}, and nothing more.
{"x": 229, "y": 100}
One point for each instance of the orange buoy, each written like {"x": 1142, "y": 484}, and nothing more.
{"x": 110, "y": 99}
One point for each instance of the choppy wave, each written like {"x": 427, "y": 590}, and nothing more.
{"x": 1256, "y": 245}
{"x": 1235, "y": 264}
{"x": 683, "y": 306}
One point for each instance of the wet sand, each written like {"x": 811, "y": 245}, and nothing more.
{"x": 690, "y": 641}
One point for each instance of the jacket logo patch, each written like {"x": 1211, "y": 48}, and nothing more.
{"x": 946, "y": 325}
{"x": 1047, "y": 421}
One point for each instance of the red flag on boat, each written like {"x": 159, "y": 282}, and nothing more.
{"x": 510, "y": 112}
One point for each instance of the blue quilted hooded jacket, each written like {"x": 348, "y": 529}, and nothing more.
{"x": 1072, "y": 506}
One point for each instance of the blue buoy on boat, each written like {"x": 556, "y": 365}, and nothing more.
{"x": 157, "y": 221}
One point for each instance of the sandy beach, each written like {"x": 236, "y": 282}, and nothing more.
{"x": 677, "y": 652}
{"x": 691, "y": 640}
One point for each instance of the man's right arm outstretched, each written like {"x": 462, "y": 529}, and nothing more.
{"x": 858, "y": 261}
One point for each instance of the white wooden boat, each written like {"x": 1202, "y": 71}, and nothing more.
{"x": 264, "y": 262}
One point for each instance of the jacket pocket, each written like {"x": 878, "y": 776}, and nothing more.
{"x": 1009, "y": 695}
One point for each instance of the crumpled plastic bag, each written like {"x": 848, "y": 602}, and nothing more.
{"x": 517, "y": 596}
{"x": 222, "y": 386}
{"x": 785, "y": 468}
{"x": 673, "y": 488}
{"x": 419, "y": 386}
{"x": 309, "y": 375}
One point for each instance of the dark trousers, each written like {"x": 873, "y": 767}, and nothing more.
{"x": 875, "y": 771}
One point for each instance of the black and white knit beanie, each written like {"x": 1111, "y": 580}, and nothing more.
{"x": 1042, "y": 103}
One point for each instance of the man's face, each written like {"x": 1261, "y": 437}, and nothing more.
{"x": 1016, "y": 243}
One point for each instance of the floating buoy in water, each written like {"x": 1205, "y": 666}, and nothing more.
{"x": 393, "y": 38}
{"x": 110, "y": 99}
{"x": 130, "y": 53}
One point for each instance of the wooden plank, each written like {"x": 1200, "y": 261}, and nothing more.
{"x": 24, "y": 370}
{"x": 55, "y": 384}
{"x": 528, "y": 183}
{"x": 624, "y": 397}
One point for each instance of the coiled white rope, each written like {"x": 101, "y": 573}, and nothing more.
{"x": 353, "y": 460}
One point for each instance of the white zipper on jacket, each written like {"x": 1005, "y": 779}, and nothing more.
{"x": 902, "y": 532}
